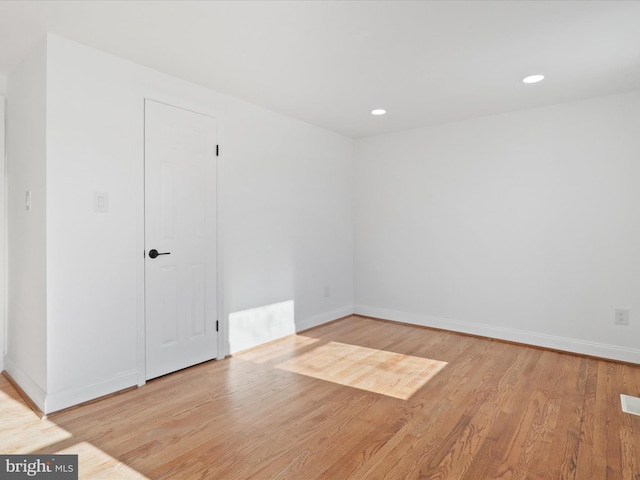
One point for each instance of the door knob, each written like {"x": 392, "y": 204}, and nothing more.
{"x": 154, "y": 253}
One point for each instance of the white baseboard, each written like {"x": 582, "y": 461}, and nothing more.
{"x": 326, "y": 317}
{"x": 565, "y": 344}
{"x": 57, "y": 401}
{"x": 68, "y": 398}
{"x": 26, "y": 383}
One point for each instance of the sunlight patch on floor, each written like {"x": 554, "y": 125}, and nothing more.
{"x": 22, "y": 431}
{"x": 387, "y": 373}
{"x": 94, "y": 463}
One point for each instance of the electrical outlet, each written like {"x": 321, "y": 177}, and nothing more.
{"x": 621, "y": 317}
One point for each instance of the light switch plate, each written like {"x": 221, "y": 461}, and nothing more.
{"x": 100, "y": 202}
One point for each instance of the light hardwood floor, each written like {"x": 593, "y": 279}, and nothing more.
{"x": 355, "y": 399}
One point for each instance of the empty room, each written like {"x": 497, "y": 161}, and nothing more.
{"x": 320, "y": 240}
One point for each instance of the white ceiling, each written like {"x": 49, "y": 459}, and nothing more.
{"x": 330, "y": 62}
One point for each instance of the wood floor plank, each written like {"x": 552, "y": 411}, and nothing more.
{"x": 507, "y": 388}
{"x": 425, "y": 441}
{"x": 526, "y": 437}
{"x": 565, "y": 443}
{"x": 321, "y": 405}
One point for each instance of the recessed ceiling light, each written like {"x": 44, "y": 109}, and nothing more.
{"x": 533, "y": 79}
{"x": 378, "y": 111}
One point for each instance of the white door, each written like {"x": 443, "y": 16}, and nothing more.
{"x": 180, "y": 226}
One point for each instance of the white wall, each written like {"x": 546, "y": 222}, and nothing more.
{"x": 288, "y": 223}
{"x": 523, "y": 226}
{"x": 286, "y": 218}
{"x": 3, "y": 85}
{"x": 94, "y": 143}
{"x": 26, "y": 357}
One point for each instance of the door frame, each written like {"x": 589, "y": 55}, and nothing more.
{"x": 222, "y": 339}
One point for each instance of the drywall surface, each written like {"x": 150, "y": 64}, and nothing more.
{"x": 288, "y": 221}
{"x": 285, "y": 218}
{"x": 3, "y": 85}
{"x": 93, "y": 144}
{"x": 26, "y": 355}
{"x": 523, "y": 226}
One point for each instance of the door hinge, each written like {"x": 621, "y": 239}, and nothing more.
{"x": 217, "y": 325}
{"x": 217, "y": 150}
